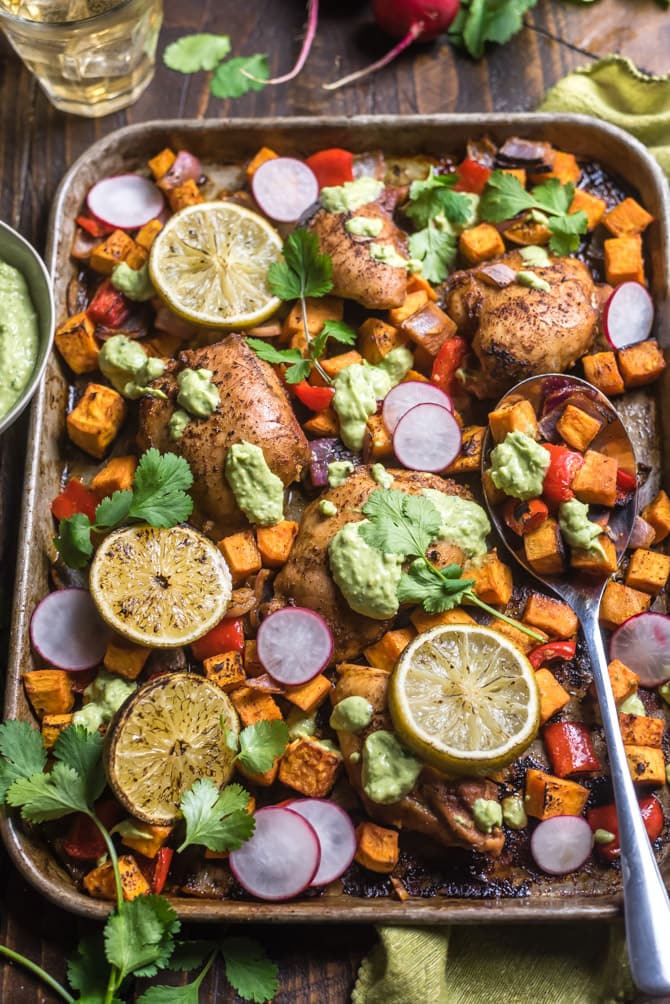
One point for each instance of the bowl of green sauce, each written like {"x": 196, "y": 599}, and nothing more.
{"x": 26, "y": 323}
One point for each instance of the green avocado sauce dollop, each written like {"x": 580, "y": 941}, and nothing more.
{"x": 133, "y": 282}
{"x": 258, "y": 491}
{"x": 389, "y": 771}
{"x": 367, "y": 578}
{"x": 129, "y": 369}
{"x": 364, "y": 226}
{"x": 464, "y": 523}
{"x": 103, "y": 698}
{"x": 198, "y": 394}
{"x": 487, "y": 813}
{"x": 358, "y": 388}
{"x": 19, "y": 336}
{"x": 350, "y": 196}
{"x": 353, "y": 714}
{"x": 518, "y": 466}
{"x": 577, "y": 528}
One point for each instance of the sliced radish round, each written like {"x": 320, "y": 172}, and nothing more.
{"x": 293, "y": 645}
{"x": 336, "y": 834}
{"x": 125, "y": 201}
{"x": 561, "y": 844}
{"x": 628, "y": 315}
{"x": 427, "y": 438}
{"x": 281, "y": 859}
{"x": 67, "y": 631}
{"x": 284, "y": 188}
{"x": 643, "y": 644}
{"x": 405, "y": 396}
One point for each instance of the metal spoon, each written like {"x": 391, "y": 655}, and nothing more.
{"x": 646, "y": 904}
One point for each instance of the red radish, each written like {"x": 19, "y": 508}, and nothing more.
{"x": 336, "y": 834}
{"x": 310, "y": 32}
{"x": 643, "y": 644}
{"x": 67, "y": 631}
{"x": 642, "y": 534}
{"x": 125, "y": 201}
{"x": 628, "y": 315}
{"x": 561, "y": 844}
{"x": 284, "y": 188}
{"x": 410, "y": 21}
{"x": 427, "y": 438}
{"x": 294, "y": 644}
{"x": 281, "y": 859}
{"x": 186, "y": 167}
{"x": 405, "y": 396}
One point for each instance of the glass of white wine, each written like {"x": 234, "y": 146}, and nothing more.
{"x": 91, "y": 57}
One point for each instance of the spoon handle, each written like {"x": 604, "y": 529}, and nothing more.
{"x": 646, "y": 904}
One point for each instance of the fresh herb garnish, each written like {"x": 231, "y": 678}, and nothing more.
{"x": 434, "y": 206}
{"x": 436, "y": 250}
{"x": 192, "y": 53}
{"x": 240, "y": 75}
{"x": 157, "y": 497}
{"x": 219, "y": 820}
{"x": 504, "y": 197}
{"x": 260, "y": 745}
{"x": 482, "y": 21}
{"x": 299, "y": 368}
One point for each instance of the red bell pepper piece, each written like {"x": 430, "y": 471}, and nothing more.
{"x": 563, "y": 466}
{"x": 604, "y": 818}
{"x": 108, "y": 306}
{"x": 93, "y": 227}
{"x": 625, "y": 482}
{"x": 569, "y": 748}
{"x": 316, "y": 398}
{"x": 522, "y": 517}
{"x": 447, "y": 361}
{"x": 84, "y": 841}
{"x": 161, "y": 869}
{"x": 472, "y": 176}
{"x": 552, "y": 650}
{"x": 332, "y": 167}
{"x": 227, "y": 636}
{"x": 74, "y": 499}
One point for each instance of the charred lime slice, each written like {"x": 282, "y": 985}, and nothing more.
{"x": 170, "y": 734}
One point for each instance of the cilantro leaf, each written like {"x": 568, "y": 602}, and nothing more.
{"x": 566, "y": 231}
{"x": 229, "y": 80}
{"x": 267, "y": 352}
{"x": 23, "y": 753}
{"x": 338, "y": 330}
{"x": 49, "y": 796}
{"x": 73, "y": 541}
{"x": 261, "y": 744}
{"x": 434, "y": 196}
{"x": 251, "y": 974}
{"x": 87, "y": 969}
{"x": 189, "y": 955}
{"x": 189, "y": 994}
{"x": 436, "y": 250}
{"x": 437, "y": 594}
{"x": 159, "y": 489}
{"x": 400, "y": 523}
{"x": 298, "y": 372}
{"x": 113, "y": 510}
{"x": 482, "y": 21}
{"x": 503, "y": 197}
{"x": 305, "y": 271}
{"x": 81, "y": 750}
{"x": 218, "y": 820}
{"x": 553, "y": 196}
{"x": 196, "y": 52}
{"x": 139, "y": 939}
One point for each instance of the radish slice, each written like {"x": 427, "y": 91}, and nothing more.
{"x": 643, "y": 644}
{"x": 427, "y": 438}
{"x": 284, "y": 188}
{"x": 628, "y": 315}
{"x": 336, "y": 834}
{"x": 125, "y": 201}
{"x": 561, "y": 844}
{"x": 281, "y": 859}
{"x": 67, "y": 631}
{"x": 294, "y": 644}
{"x": 405, "y": 396}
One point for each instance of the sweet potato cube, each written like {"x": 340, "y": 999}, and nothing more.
{"x": 376, "y": 339}
{"x": 657, "y": 514}
{"x": 544, "y": 549}
{"x": 386, "y": 652}
{"x": 323, "y": 424}
{"x": 52, "y": 726}
{"x": 124, "y": 658}
{"x": 111, "y": 250}
{"x": 564, "y": 167}
{"x": 260, "y": 157}
{"x": 414, "y": 375}
{"x": 327, "y": 308}
{"x": 553, "y": 696}
{"x": 147, "y": 234}
{"x": 412, "y": 302}
{"x": 627, "y": 219}
{"x": 493, "y": 579}
{"x": 252, "y": 665}
{"x": 480, "y": 243}
{"x": 133, "y": 881}
{"x": 242, "y": 554}
{"x": 622, "y": 680}
{"x": 117, "y": 475}
{"x": 623, "y": 260}
{"x": 620, "y": 602}
{"x": 470, "y": 458}
{"x": 646, "y": 765}
{"x": 162, "y": 162}
{"x": 517, "y": 172}
{"x": 335, "y": 365}
{"x": 186, "y": 194}
{"x": 589, "y": 204}
{"x": 517, "y": 417}
{"x": 254, "y": 706}
{"x": 517, "y": 637}
{"x": 595, "y": 481}
{"x": 417, "y": 282}
{"x": 377, "y": 441}
{"x": 602, "y": 370}
{"x": 99, "y": 882}
{"x": 264, "y": 780}
{"x": 424, "y": 622}
{"x": 639, "y": 730}
{"x": 577, "y": 428}
{"x": 96, "y": 419}
{"x": 275, "y": 542}
{"x": 49, "y": 691}
{"x": 136, "y": 257}
{"x": 225, "y": 670}
{"x": 648, "y": 570}
{"x": 642, "y": 363}
{"x": 376, "y": 847}
{"x": 148, "y": 846}
{"x": 493, "y": 493}
{"x": 429, "y": 327}
{"x": 548, "y": 796}
{"x": 309, "y": 767}
{"x": 553, "y": 616}
{"x": 591, "y": 563}
{"x": 75, "y": 340}
{"x": 526, "y": 232}
{"x": 309, "y": 696}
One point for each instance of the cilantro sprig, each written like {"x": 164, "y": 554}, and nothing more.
{"x": 157, "y": 497}
{"x": 440, "y": 212}
{"x": 299, "y": 368}
{"x": 203, "y": 51}
{"x": 505, "y": 197}
{"x": 481, "y": 21}
{"x": 259, "y": 745}
{"x": 218, "y": 820}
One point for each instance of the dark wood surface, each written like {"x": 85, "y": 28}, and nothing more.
{"x": 37, "y": 144}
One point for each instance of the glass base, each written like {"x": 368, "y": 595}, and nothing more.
{"x": 97, "y": 109}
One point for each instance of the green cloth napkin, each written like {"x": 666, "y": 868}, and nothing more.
{"x": 539, "y": 964}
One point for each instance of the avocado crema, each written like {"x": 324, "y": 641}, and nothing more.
{"x": 360, "y": 386}
{"x": 102, "y": 699}
{"x": 350, "y": 196}
{"x": 518, "y": 466}
{"x": 464, "y": 523}
{"x": 578, "y": 530}
{"x": 364, "y": 226}
{"x": 388, "y": 255}
{"x": 129, "y": 369}
{"x": 389, "y": 771}
{"x": 367, "y": 579}
{"x": 258, "y": 492}
{"x": 198, "y": 394}
{"x": 133, "y": 282}
{"x": 353, "y": 714}
{"x": 19, "y": 336}
{"x": 338, "y": 472}
{"x": 486, "y": 813}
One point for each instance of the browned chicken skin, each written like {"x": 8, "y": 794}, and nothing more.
{"x": 253, "y": 407}
{"x": 306, "y": 580}
{"x": 519, "y": 332}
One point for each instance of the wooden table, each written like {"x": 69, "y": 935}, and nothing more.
{"x": 37, "y": 144}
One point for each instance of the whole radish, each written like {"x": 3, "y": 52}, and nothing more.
{"x": 410, "y": 21}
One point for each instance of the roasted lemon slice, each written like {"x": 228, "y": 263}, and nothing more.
{"x": 160, "y": 588}
{"x": 209, "y": 264}
{"x": 170, "y": 734}
{"x": 464, "y": 698}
